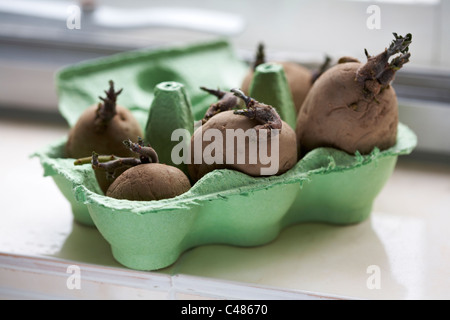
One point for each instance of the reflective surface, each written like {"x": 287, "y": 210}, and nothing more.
{"x": 401, "y": 252}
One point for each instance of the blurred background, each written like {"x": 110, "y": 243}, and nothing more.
{"x": 39, "y": 37}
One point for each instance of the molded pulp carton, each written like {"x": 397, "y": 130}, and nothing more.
{"x": 225, "y": 206}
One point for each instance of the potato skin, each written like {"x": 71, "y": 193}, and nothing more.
{"x": 339, "y": 113}
{"x": 150, "y": 181}
{"x": 84, "y": 138}
{"x": 299, "y": 80}
{"x": 229, "y": 120}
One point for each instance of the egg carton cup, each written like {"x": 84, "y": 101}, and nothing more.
{"x": 225, "y": 206}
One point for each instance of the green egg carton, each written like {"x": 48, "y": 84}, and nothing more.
{"x": 138, "y": 72}
{"x": 225, "y": 206}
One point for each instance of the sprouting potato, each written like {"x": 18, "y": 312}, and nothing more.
{"x": 102, "y": 128}
{"x": 353, "y": 106}
{"x": 143, "y": 177}
{"x": 300, "y": 79}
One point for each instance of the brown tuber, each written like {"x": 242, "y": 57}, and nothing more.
{"x": 102, "y": 128}
{"x": 234, "y": 150}
{"x": 145, "y": 179}
{"x": 352, "y": 106}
